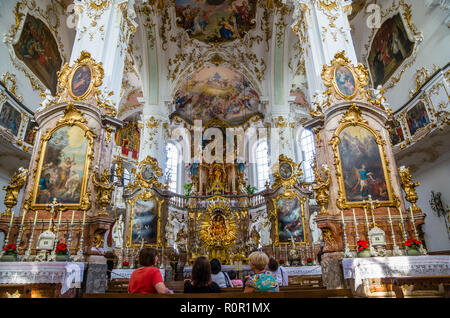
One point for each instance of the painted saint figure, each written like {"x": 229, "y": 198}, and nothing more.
{"x": 363, "y": 176}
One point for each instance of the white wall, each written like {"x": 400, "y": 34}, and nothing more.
{"x": 437, "y": 179}
{"x": 434, "y": 49}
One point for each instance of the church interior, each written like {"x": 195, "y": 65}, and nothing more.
{"x": 315, "y": 131}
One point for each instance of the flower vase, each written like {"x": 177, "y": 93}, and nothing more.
{"x": 365, "y": 253}
{"x": 62, "y": 258}
{"x": 9, "y": 258}
{"x": 309, "y": 263}
{"x": 412, "y": 251}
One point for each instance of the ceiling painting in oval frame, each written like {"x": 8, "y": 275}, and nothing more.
{"x": 216, "y": 92}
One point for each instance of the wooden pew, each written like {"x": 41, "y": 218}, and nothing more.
{"x": 419, "y": 283}
{"x": 310, "y": 293}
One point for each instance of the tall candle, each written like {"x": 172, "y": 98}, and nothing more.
{"x": 59, "y": 220}
{"x": 73, "y": 215}
{"x": 23, "y": 217}
{"x": 403, "y": 226}
{"x": 35, "y": 217}
{"x": 84, "y": 217}
{"x": 367, "y": 220}
{"x": 12, "y": 218}
{"x": 356, "y": 225}
{"x": 342, "y": 216}
{"x": 413, "y": 223}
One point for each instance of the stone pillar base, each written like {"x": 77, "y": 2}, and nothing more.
{"x": 96, "y": 278}
{"x": 332, "y": 273}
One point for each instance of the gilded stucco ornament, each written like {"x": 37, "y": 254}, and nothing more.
{"x": 16, "y": 183}
{"x": 148, "y": 174}
{"x": 322, "y": 187}
{"x": 409, "y": 186}
{"x": 103, "y": 189}
{"x": 9, "y": 80}
{"x": 287, "y": 172}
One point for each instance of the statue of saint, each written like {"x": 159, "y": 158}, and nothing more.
{"x": 117, "y": 232}
{"x": 315, "y": 231}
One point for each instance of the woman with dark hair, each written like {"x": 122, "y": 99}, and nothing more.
{"x": 218, "y": 276}
{"x": 278, "y": 271}
{"x": 147, "y": 279}
{"x": 201, "y": 278}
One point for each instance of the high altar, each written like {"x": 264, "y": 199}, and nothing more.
{"x": 102, "y": 182}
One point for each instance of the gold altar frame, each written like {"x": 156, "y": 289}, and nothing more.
{"x": 145, "y": 196}
{"x": 72, "y": 117}
{"x": 353, "y": 117}
{"x": 288, "y": 194}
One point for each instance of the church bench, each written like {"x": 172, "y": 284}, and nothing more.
{"x": 310, "y": 293}
{"x": 419, "y": 283}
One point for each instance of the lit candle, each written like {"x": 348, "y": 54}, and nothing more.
{"x": 35, "y": 217}
{"x": 23, "y": 217}
{"x": 73, "y": 215}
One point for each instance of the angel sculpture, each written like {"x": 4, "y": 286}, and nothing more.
{"x": 103, "y": 188}
{"x": 16, "y": 183}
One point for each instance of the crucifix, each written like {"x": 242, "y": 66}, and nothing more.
{"x": 372, "y": 205}
{"x": 55, "y": 205}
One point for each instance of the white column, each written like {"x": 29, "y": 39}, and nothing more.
{"x": 324, "y": 30}
{"x": 103, "y": 30}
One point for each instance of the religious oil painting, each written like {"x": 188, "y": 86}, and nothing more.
{"x": 390, "y": 48}
{"x": 290, "y": 220}
{"x": 396, "y": 134}
{"x": 30, "y": 133}
{"x": 10, "y": 118}
{"x": 285, "y": 170}
{"x": 81, "y": 81}
{"x": 38, "y": 49}
{"x": 417, "y": 117}
{"x": 216, "y": 92}
{"x": 362, "y": 165}
{"x": 144, "y": 227}
{"x": 216, "y": 20}
{"x": 63, "y": 167}
{"x": 345, "y": 81}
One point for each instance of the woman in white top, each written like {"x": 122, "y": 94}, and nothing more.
{"x": 219, "y": 277}
{"x": 279, "y": 271}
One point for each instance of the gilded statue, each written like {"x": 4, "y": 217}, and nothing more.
{"x": 103, "y": 189}
{"x": 409, "y": 186}
{"x": 16, "y": 183}
{"x": 321, "y": 187}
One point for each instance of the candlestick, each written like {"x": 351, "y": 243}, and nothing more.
{"x": 403, "y": 224}
{"x": 347, "y": 252}
{"x": 59, "y": 219}
{"x": 12, "y": 219}
{"x": 73, "y": 215}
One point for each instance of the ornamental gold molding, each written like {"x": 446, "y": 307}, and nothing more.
{"x": 409, "y": 186}
{"x": 9, "y": 80}
{"x": 287, "y": 181}
{"x": 353, "y": 117}
{"x": 288, "y": 194}
{"x": 103, "y": 189}
{"x": 148, "y": 174}
{"x": 360, "y": 77}
{"x": 72, "y": 117}
{"x": 16, "y": 183}
{"x": 145, "y": 196}
{"x": 322, "y": 187}
{"x": 421, "y": 77}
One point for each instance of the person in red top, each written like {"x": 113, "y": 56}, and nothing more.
{"x": 147, "y": 279}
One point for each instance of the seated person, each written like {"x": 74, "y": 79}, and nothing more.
{"x": 262, "y": 280}
{"x": 234, "y": 281}
{"x": 218, "y": 276}
{"x": 279, "y": 272}
{"x": 201, "y": 278}
{"x": 147, "y": 279}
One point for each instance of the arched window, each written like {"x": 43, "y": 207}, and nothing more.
{"x": 307, "y": 146}
{"x": 171, "y": 166}
{"x": 262, "y": 165}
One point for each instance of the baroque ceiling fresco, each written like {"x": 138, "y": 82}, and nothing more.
{"x": 216, "y": 21}
{"x": 216, "y": 92}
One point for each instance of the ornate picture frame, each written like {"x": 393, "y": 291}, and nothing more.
{"x": 286, "y": 172}
{"x": 72, "y": 118}
{"x": 86, "y": 89}
{"x": 288, "y": 195}
{"x": 353, "y": 118}
{"x": 340, "y": 83}
{"x": 412, "y": 33}
{"x": 145, "y": 196}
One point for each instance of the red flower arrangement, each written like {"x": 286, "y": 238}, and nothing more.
{"x": 362, "y": 245}
{"x": 10, "y": 249}
{"x": 61, "y": 249}
{"x": 125, "y": 263}
{"x": 309, "y": 260}
{"x": 281, "y": 261}
{"x": 413, "y": 243}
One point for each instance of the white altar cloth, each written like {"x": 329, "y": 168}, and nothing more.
{"x": 126, "y": 273}
{"x": 398, "y": 266}
{"x": 69, "y": 275}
